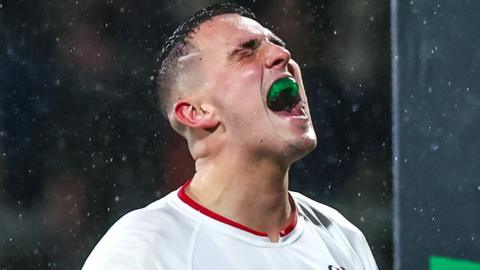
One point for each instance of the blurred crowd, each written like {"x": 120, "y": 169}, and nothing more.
{"x": 82, "y": 139}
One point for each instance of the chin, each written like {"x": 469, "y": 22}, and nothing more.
{"x": 302, "y": 147}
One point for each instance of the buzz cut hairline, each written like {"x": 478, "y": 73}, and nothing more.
{"x": 177, "y": 45}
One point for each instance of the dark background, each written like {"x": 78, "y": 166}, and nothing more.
{"x": 82, "y": 140}
{"x": 436, "y": 129}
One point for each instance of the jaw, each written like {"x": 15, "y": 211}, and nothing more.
{"x": 301, "y": 144}
{"x": 292, "y": 127}
{"x": 291, "y": 138}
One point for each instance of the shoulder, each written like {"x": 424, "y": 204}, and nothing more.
{"x": 345, "y": 235}
{"x": 322, "y": 213}
{"x": 141, "y": 235}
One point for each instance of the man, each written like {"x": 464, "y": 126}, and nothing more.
{"x": 230, "y": 88}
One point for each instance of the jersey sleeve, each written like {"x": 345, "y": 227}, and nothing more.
{"x": 126, "y": 245}
{"x": 341, "y": 230}
{"x": 362, "y": 248}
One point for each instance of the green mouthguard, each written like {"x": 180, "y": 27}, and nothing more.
{"x": 283, "y": 93}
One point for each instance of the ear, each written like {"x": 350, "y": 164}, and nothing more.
{"x": 192, "y": 116}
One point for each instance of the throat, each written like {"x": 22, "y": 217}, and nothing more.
{"x": 254, "y": 196}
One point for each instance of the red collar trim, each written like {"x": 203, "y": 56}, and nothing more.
{"x": 186, "y": 199}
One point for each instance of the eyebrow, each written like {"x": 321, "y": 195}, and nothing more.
{"x": 276, "y": 40}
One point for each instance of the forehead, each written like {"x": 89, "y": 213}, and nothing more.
{"x": 227, "y": 29}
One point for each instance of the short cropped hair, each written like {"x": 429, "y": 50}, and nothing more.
{"x": 178, "y": 45}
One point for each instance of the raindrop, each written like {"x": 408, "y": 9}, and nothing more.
{"x": 355, "y": 107}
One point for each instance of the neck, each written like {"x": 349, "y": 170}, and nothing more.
{"x": 252, "y": 192}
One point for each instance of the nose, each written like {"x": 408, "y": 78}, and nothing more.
{"x": 277, "y": 57}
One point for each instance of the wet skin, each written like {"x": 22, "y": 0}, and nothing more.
{"x": 239, "y": 60}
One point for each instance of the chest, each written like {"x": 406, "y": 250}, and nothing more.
{"x": 308, "y": 252}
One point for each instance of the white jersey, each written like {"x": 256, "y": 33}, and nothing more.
{"x": 175, "y": 233}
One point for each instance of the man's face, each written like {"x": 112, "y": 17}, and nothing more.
{"x": 239, "y": 61}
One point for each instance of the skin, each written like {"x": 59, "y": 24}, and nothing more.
{"x": 242, "y": 150}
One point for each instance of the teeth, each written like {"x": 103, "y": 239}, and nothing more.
{"x": 298, "y": 112}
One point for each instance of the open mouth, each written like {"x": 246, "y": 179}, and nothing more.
{"x": 283, "y": 98}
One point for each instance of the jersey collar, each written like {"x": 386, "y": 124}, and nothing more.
{"x": 193, "y": 204}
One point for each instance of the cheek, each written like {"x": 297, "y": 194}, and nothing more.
{"x": 247, "y": 76}
{"x": 239, "y": 86}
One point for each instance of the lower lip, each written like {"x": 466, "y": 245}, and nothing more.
{"x": 302, "y": 117}
{"x": 299, "y": 117}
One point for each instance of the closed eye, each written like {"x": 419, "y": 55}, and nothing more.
{"x": 251, "y": 44}
{"x": 246, "y": 48}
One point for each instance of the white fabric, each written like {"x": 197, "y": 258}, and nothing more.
{"x": 170, "y": 235}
